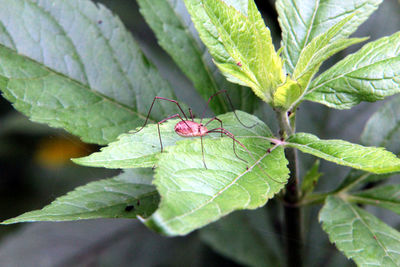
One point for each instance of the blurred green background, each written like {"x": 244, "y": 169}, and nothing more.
{"x": 35, "y": 169}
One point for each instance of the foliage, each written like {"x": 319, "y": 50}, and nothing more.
{"x": 100, "y": 88}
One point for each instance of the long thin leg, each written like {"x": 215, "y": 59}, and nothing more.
{"x": 191, "y": 114}
{"x": 229, "y": 134}
{"x": 215, "y": 118}
{"x": 151, "y": 107}
{"x": 202, "y": 151}
{"x": 164, "y": 120}
{"x": 230, "y": 103}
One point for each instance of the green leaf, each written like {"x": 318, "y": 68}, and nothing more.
{"x": 360, "y": 235}
{"x": 140, "y": 149}
{"x": 301, "y": 21}
{"x": 387, "y": 196}
{"x": 371, "y": 159}
{"x": 319, "y": 49}
{"x": 124, "y": 196}
{"x": 193, "y": 196}
{"x": 370, "y": 74}
{"x": 240, "y": 44}
{"x": 171, "y": 23}
{"x": 311, "y": 179}
{"x": 309, "y": 62}
{"x": 383, "y": 127}
{"x": 245, "y": 237}
{"x": 96, "y": 87}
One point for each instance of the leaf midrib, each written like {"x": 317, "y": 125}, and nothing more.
{"x": 351, "y": 71}
{"x": 219, "y": 192}
{"x": 369, "y": 229}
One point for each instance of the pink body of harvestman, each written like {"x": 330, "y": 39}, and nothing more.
{"x": 190, "y": 128}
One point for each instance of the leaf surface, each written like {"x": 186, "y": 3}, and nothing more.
{"x": 370, "y": 74}
{"x": 124, "y": 196}
{"x": 360, "y": 235}
{"x": 193, "y": 196}
{"x": 371, "y": 159}
{"x": 301, "y": 21}
{"x": 96, "y": 87}
{"x": 170, "y": 21}
{"x": 240, "y": 44}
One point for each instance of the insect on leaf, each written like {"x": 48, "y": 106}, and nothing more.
{"x": 192, "y": 196}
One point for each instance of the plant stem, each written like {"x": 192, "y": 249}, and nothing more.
{"x": 292, "y": 212}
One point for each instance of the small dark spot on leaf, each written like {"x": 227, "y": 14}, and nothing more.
{"x": 374, "y": 237}
{"x": 269, "y": 150}
{"x": 138, "y": 202}
{"x": 100, "y": 22}
{"x": 129, "y": 208}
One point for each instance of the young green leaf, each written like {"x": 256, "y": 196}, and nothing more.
{"x": 96, "y": 87}
{"x": 311, "y": 58}
{"x": 124, "y": 196}
{"x": 171, "y": 23}
{"x": 234, "y": 235}
{"x": 360, "y": 235}
{"x": 310, "y": 179}
{"x": 370, "y": 74}
{"x": 371, "y": 159}
{"x": 193, "y": 196}
{"x": 135, "y": 150}
{"x": 387, "y": 196}
{"x": 301, "y": 21}
{"x": 240, "y": 44}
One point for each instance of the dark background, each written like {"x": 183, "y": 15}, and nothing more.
{"x": 35, "y": 169}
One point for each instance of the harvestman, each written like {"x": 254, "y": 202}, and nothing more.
{"x": 190, "y": 128}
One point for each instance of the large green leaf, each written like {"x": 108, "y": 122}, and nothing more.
{"x": 371, "y": 159}
{"x": 72, "y": 64}
{"x": 245, "y": 236}
{"x": 193, "y": 196}
{"x": 124, "y": 196}
{"x": 303, "y": 20}
{"x": 135, "y": 150}
{"x": 240, "y": 44}
{"x": 171, "y": 23}
{"x": 370, "y": 74}
{"x": 387, "y": 196}
{"x": 360, "y": 235}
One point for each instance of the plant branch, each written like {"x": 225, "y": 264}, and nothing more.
{"x": 292, "y": 212}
